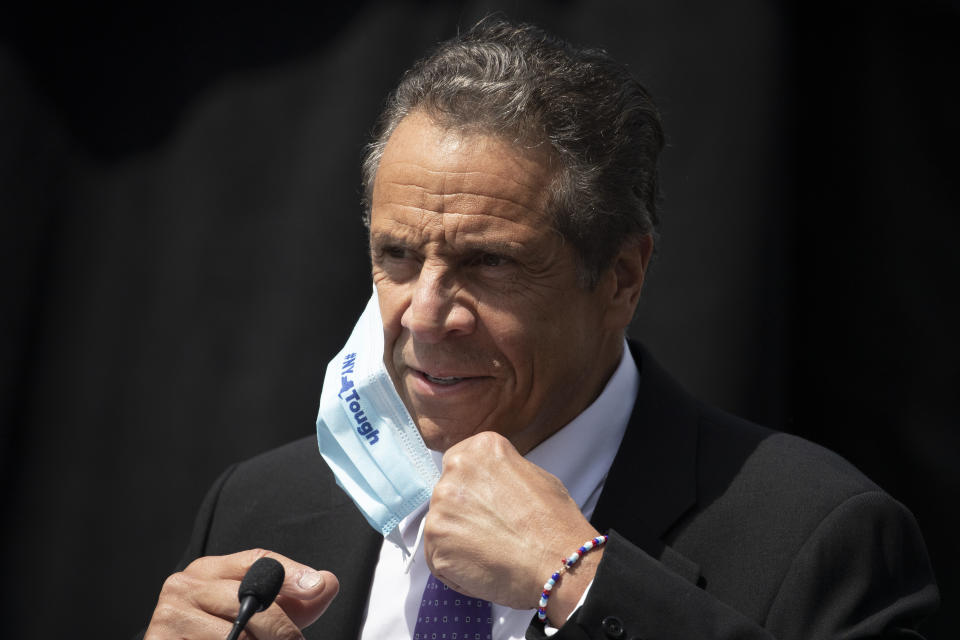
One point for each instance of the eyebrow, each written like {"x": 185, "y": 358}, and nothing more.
{"x": 381, "y": 239}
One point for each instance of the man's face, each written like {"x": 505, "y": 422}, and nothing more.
{"x": 486, "y": 326}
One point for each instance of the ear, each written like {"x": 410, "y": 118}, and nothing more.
{"x": 628, "y": 271}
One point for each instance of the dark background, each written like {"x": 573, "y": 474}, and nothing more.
{"x": 182, "y": 250}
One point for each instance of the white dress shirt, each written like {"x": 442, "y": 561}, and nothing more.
{"x": 579, "y": 454}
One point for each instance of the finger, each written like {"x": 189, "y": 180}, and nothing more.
{"x": 305, "y": 612}
{"x": 171, "y": 621}
{"x": 199, "y": 597}
{"x": 309, "y": 584}
{"x": 273, "y": 623}
{"x": 300, "y": 581}
{"x": 276, "y": 623}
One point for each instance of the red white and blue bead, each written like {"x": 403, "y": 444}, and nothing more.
{"x": 567, "y": 563}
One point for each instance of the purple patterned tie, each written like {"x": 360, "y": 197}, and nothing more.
{"x": 448, "y": 615}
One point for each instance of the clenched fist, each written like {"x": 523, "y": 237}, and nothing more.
{"x": 498, "y": 526}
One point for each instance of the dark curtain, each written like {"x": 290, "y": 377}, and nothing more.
{"x": 182, "y": 250}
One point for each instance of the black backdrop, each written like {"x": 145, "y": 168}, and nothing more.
{"x": 182, "y": 251}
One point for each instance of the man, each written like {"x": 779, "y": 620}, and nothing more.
{"x": 511, "y": 200}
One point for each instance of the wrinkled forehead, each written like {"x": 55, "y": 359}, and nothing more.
{"x": 435, "y": 177}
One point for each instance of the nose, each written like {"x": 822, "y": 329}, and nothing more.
{"x": 434, "y": 312}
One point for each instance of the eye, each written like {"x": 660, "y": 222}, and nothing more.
{"x": 491, "y": 260}
{"x": 393, "y": 251}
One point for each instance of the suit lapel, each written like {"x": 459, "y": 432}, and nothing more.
{"x": 652, "y": 481}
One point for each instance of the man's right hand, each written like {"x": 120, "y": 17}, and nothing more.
{"x": 201, "y": 601}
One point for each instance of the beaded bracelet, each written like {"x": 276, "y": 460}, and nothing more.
{"x": 567, "y": 563}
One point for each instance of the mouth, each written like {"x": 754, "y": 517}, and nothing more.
{"x": 441, "y": 380}
{"x": 437, "y": 382}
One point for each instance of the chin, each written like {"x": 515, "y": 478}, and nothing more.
{"x": 439, "y": 438}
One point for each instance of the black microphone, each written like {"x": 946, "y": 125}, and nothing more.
{"x": 258, "y": 588}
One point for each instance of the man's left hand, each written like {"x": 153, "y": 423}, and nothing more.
{"x": 498, "y": 526}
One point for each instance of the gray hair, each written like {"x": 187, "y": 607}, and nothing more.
{"x": 520, "y": 83}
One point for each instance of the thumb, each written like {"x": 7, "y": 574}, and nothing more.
{"x": 306, "y": 594}
{"x": 304, "y": 583}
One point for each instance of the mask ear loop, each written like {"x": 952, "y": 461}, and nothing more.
{"x": 416, "y": 543}
{"x": 395, "y": 537}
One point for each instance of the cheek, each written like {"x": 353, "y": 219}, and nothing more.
{"x": 557, "y": 334}
{"x": 514, "y": 344}
{"x": 391, "y": 310}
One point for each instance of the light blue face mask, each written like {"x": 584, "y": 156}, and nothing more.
{"x": 365, "y": 433}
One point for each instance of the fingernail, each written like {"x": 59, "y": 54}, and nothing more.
{"x": 310, "y": 579}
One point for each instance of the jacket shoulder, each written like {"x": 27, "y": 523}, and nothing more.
{"x": 764, "y": 499}
{"x": 782, "y": 464}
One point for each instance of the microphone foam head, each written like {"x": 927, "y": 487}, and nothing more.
{"x": 262, "y": 581}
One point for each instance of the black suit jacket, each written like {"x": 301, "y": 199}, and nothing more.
{"x": 719, "y": 529}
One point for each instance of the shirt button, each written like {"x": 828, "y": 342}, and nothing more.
{"x": 612, "y": 626}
